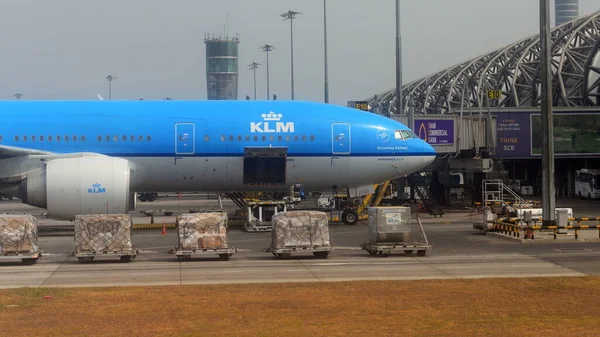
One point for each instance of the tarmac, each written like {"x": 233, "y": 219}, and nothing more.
{"x": 459, "y": 252}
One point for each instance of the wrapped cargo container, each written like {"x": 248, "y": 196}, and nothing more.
{"x": 389, "y": 224}
{"x": 19, "y": 237}
{"x": 200, "y": 233}
{"x": 300, "y": 230}
{"x": 390, "y": 230}
{"x": 101, "y": 234}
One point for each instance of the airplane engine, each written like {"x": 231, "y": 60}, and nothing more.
{"x": 80, "y": 185}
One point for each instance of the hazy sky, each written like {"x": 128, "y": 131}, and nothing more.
{"x": 64, "y": 49}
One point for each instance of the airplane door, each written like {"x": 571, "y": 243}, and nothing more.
{"x": 185, "y": 138}
{"x": 341, "y": 140}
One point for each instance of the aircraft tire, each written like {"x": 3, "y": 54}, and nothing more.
{"x": 350, "y": 217}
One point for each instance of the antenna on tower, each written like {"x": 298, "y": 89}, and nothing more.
{"x": 227, "y": 27}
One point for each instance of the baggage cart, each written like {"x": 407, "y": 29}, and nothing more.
{"x": 386, "y": 248}
{"x": 203, "y": 234}
{"x": 223, "y": 253}
{"x": 19, "y": 238}
{"x": 124, "y": 256}
{"x": 300, "y": 232}
{"x": 104, "y": 235}
{"x": 286, "y": 252}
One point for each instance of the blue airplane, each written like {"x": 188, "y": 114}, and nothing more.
{"x": 87, "y": 157}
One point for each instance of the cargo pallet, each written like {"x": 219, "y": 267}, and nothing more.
{"x": 320, "y": 252}
{"x": 26, "y": 257}
{"x": 386, "y": 248}
{"x": 124, "y": 256}
{"x": 223, "y": 253}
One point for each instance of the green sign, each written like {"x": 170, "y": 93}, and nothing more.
{"x": 574, "y": 134}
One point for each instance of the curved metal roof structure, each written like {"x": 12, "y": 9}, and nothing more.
{"x": 515, "y": 70}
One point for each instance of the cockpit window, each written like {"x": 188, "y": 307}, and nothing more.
{"x": 406, "y": 135}
{"x": 398, "y": 134}
{"x": 413, "y": 134}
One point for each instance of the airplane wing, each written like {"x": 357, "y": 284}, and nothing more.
{"x": 11, "y": 152}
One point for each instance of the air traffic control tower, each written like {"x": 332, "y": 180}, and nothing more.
{"x": 565, "y": 11}
{"x": 222, "y": 67}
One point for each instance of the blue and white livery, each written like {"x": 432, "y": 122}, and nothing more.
{"x": 81, "y": 157}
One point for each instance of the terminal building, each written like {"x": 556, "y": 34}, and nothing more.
{"x": 222, "y": 67}
{"x": 483, "y": 115}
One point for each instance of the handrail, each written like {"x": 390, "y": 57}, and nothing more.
{"x": 501, "y": 189}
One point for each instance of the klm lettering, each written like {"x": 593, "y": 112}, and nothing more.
{"x": 96, "y": 189}
{"x": 265, "y": 127}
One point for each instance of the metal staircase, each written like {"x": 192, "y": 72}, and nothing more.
{"x": 238, "y": 198}
{"x": 498, "y": 172}
{"x": 420, "y": 182}
{"x": 495, "y": 192}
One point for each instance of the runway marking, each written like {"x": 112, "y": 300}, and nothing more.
{"x": 330, "y": 264}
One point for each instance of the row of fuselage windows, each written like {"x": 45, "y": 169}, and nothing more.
{"x": 264, "y": 138}
{"x": 223, "y": 138}
{"x": 76, "y": 138}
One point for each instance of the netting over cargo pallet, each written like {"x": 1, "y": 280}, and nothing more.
{"x": 18, "y": 234}
{"x": 103, "y": 233}
{"x": 202, "y": 231}
{"x": 300, "y": 229}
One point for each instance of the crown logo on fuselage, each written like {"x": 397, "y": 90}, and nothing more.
{"x": 271, "y": 116}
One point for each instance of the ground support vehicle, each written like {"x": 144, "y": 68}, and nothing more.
{"x": 386, "y": 248}
{"x": 260, "y": 214}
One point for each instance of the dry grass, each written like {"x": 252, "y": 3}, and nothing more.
{"x": 493, "y": 307}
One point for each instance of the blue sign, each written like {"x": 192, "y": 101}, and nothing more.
{"x": 435, "y": 131}
{"x": 512, "y": 135}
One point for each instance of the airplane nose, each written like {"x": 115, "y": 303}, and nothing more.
{"x": 428, "y": 154}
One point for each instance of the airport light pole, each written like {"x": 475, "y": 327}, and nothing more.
{"x": 18, "y": 96}
{"x": 291, "y": 15}
{"x": 110, "y": 78}
{"x": 548, "y": 197}
{"x": 325, "y": 50}
{"x": 399, "y": 100}
{"x": 267, "y": 48}
{"x": 253, "y": 67}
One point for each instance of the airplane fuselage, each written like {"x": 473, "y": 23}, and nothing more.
{"x": 201, "y": 146}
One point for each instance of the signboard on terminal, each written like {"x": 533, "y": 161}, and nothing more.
{"x": 435, "y": 131}
{"x": 512, "y": 135}
{"x": 519, "y": 134}
{"x": 494, "y": 94}
{"x": 360, "y": 105}
{"x": 575, "y": 134}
